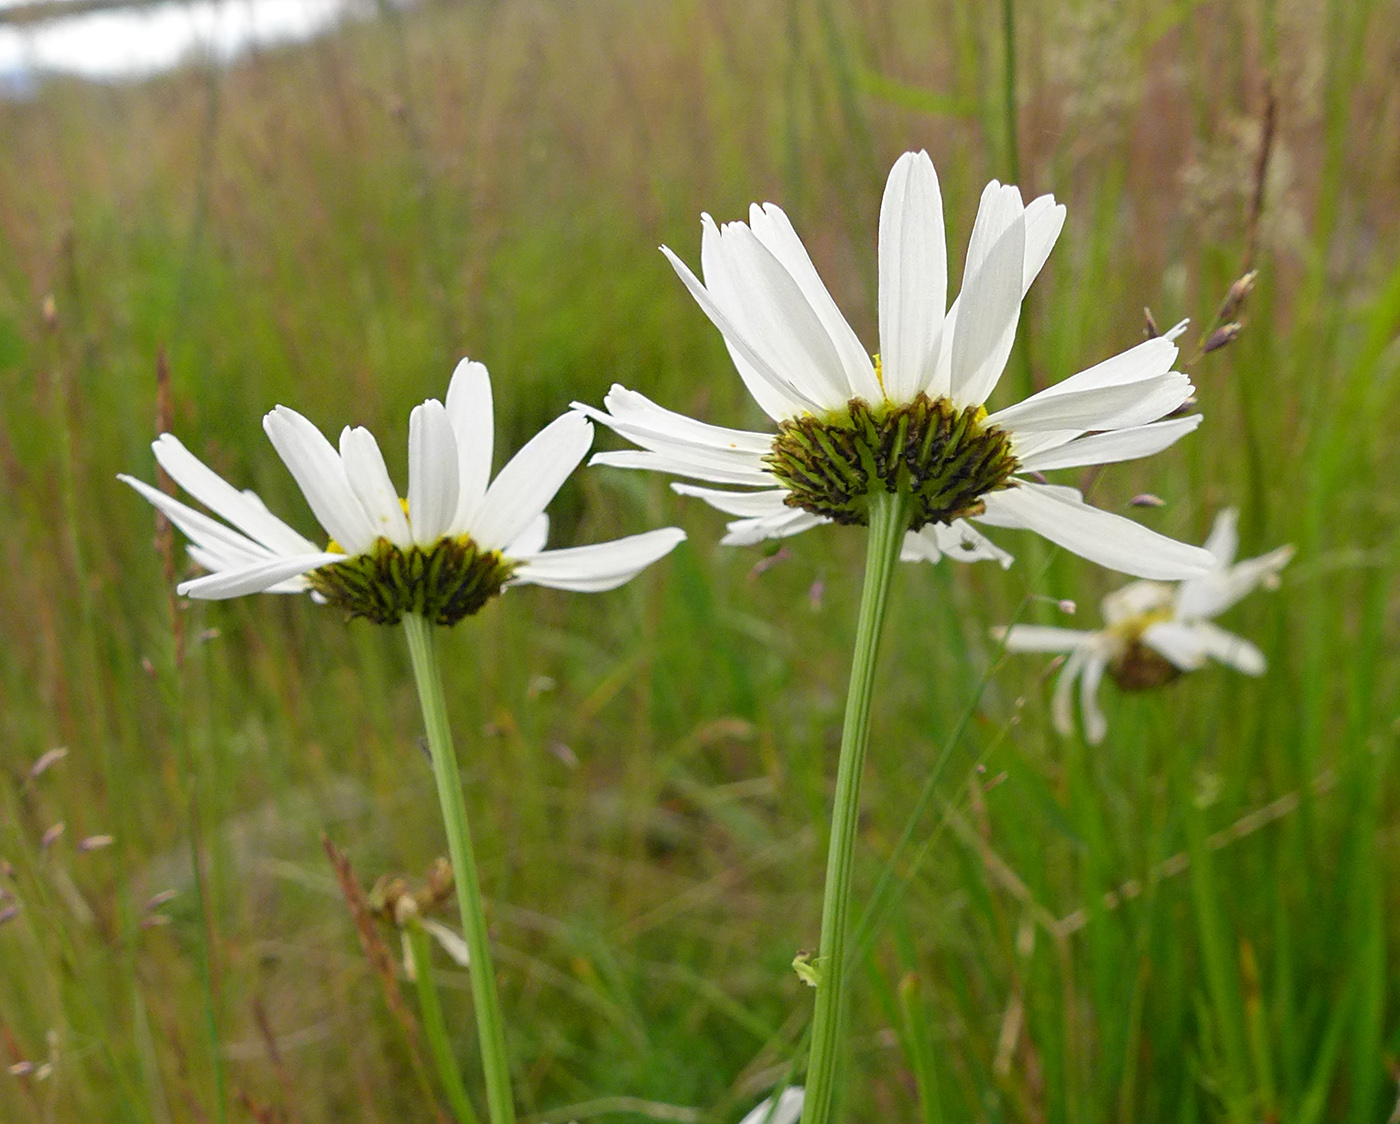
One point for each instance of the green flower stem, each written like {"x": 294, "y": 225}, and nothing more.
{"x": 889, "y": 518}
{"x": 435, "y": 1026}
{"x": 489, "y": 1026}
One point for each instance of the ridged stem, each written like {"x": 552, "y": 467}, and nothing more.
{"x": 490, "y": 1028}
{"x": 889, "y": 518}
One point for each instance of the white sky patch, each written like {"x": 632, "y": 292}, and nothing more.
{"x": 128, "y": 43}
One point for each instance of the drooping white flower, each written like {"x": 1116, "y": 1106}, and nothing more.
{"x": 452, "y": 545}
{"x": 911, "y": 419}
{"x": 788, "y": 1110}
{"x": 1154, "y": 632}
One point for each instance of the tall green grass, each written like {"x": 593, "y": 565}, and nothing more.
{"x": 333, "y": 226}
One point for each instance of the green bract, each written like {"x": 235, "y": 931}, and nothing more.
{"x": 444, "y": 583}
{"x": 944, "y": 459}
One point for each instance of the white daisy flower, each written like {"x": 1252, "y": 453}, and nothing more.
{"x": 453, "y": 544}
{"x": 913, "y": 419}
{"x": 1154, "y": 632}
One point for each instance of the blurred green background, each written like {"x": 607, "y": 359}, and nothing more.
{"x": 333, "y": 225}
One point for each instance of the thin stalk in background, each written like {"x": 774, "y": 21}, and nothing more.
{"x": 435, "y": 1026}
{"x": 208, "y": 977}
{"x": 916, "y": 1024}
{"x": 1217, "y": 954}
{"x": 1008, "y": 34}
{"x": 489, "y": 1026}
{"x": 176, "y": 697}
{"x": 1011, "y": 105}
{"x": 889, "y": 518}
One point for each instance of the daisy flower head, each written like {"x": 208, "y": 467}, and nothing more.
{"x": 912, "y": 419}
{"x": 454, "y": 543}
{"x": 1154, "y": 631}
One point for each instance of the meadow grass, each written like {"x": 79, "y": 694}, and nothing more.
{"x": 1193, "y": 921}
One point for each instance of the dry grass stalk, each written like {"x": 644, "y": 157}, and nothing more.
{"x": 381, "y": 962}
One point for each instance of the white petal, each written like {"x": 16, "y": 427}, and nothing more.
{"x": 320, "y": 475}
{"x": 1044, "y": 220}
{"x": 256, "y": 578}
{"x": 962, "y": 542}
{"x": 1137, "y": 599}
{"x": 1212, "y": 594}
{"x": 1028, "y": 445}
{"x": 729, "y": 463}
{"x": 678, "y": 465}
{"x": 776, "y": 398}
{"x": 529, "y": 481}
{"x": 204, "y": 484}
{"x": 720, "y": 301}
{"x": 997, "y": 211}
{"x": 599, "y": 566}
{"x": 434, "y": 473}
{"x": 780, "y": 323}
{"x": 1178, "y": 642}
{"x": 1062, "y": 701}
{"x": 1110, "y": 448}
{"x": 1110, "y": 540}
{"x": 215, "y": 563}
{"x": 1041, "y": 638}
{"x": 1145, "y": 361}
{"x": 793, "y": 521}
{"x": 1224, "y": 540}
{"x": 1061, "y": 491}
{"x": 913, "y": 276}
{"x": 1095, "y": 725}
{"x": 214, "y": 559}
{"x": 788, "y": 1110}
{"x": 369, "y": 479}
{"x": 940, "y": 383}
{"x": 449, "y": 941}
{"x": 958, "y": 540}
{"x": 671, "y": 434}
{"x": 638, "y": 418}
{"x": 772, "y": 228}
{"x": 1231, "y": 650}
{"x": 751, "y": 504}
{"x": 531, "y": 540}
{"x": 1108, "y": 407}
{"x": 469, "y": 409}
{"x": 221, "y": 542}
{"x": 989, "y": 304}
{"x": 918, "y": 547}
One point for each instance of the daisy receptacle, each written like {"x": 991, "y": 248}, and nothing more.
{"x": 458, "y": 540}
{"x": 1154, "y": 632}
{"x": 901, "y": 441}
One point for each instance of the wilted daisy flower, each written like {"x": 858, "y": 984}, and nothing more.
{"x": 453, "y": 544}
{"x": 1153, "y": 632}
{"x": 912, "y": 420}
